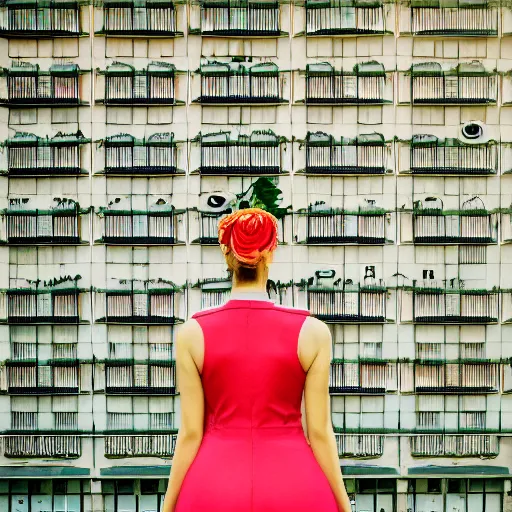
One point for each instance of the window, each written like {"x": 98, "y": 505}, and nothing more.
{"x": 324, "y": 225}
{"x": 463, "y": 17}
{"x": 240, "y": 17}
{"x": 359, "y": 377}
{"x": 472, "y": 224}
{"x": 152, "y": 86}
{"x": 466, "y": 84}
{"x": 27, "y": 85}
{"x": 365, "y": 154}
{"x": 430, "y": 155}
{"x": 258, "y": 153}
{"x": 54, "y": 17}
{"x": 340, "y": 17}
{"x": 149, "y": 17}
{"x": 125, "y": 154}
{"x": 134, "y": 495}
{"x": 30, "y": 155}
{"x": 364, "y": 84}
{"x": 235, "y": 82}
{"x": 58, "y": 225}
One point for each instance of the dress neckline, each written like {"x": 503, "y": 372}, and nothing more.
{"x": 262, "y": 296}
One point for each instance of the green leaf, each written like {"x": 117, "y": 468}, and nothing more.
{"x": 267, "y": 196}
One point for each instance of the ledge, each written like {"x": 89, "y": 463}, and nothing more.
{"x": 42, "y": 471}
{"x": 459, "y": 470}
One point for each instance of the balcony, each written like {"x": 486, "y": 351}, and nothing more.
{"x": 467, "y": 84}
{"x": 252, "y": 155}
{"x": 40, "y": 18}
{"x": 240, "y": 18}
{"x": 139, "y": 302}
{"x": 37, "y": 227}
{"x": 124, "y": 85}
{"x": 155, "y": 227}
{"x": 319, "y": 225}
{"x": 42, "y": 446}
{"x": 347, "y": 302}
{"x": 131, "y": 378}
{"x": 365, "y": 154}
{"x": 448, "y": 305}
{"x": 142, "y": 445}
{"x": 56, "y": 306}
{"x": 126, "y": 155}
{"x": 28, "y": 86}
{"x": 335, "y": 17}
{"x": 235, "y": 83}
{"x": 51, "y": 379}
{"x": 33, "y": 156}
{"x": 360, "y": 377}
{"x": 431, "y": 156}
{"x": 433, "y": 225}
{"x": 444, "y": 445}
{"x": 359, "y": 445}
{"x": 365, "y": 84}
{"x": 456, "y": 377}
{"x": 463, "y": 18}
{"x": 139, "y": 18}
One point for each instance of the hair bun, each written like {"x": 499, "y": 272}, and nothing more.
{"x": 249, "y": 233}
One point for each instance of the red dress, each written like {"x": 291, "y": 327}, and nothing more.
{"x": 254, "y": 456}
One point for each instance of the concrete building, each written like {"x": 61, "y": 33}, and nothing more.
{"x": 128, "y": 127}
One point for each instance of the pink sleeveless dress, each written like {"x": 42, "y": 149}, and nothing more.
{"x": 254, "y": 456}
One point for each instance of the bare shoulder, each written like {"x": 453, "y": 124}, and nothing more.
{"x": 314, "y": 337}
{"x": 189, "y": 334}
{"x": 316, "y": 331}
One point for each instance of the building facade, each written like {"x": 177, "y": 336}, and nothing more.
{"x": 381, "y": 134}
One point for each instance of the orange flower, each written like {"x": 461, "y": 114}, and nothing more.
{"x": 249, "y": 233}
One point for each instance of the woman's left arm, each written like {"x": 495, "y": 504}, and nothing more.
{"x": 190, "y": 387}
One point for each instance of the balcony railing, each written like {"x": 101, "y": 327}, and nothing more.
{"x": 124, "y": 85}
{"x": 456, "y": 377}
{"x": 255, "y": 154}
{"x": 133, "y": 227}
{"x": 30, "y": 155}
{"x": 336, "y": 17}
{"x": 365, "y": 154}
{"x": 467, "y": 84}
{"x": 143, "y": 445}
{"x": 28, "y": 86}
{"x": 146, "y": 17}
{"x": 365, "y": 84}
{"x": 234, "y": 83}
{"x": 42, "y": 445}
{"x": 124, "y": 154}
{"x": 334, "y": 226}
{"x": 154, "y": 378}
{"x": 463, "y": 18}
{"x": 36, "y": 18}
{"x": 43, "y": 306}
{"x": 359, "y": 377}
{"x": 430, "y": 155}
{"x": 240, "y": 18}
{"x": 433, "y": 226}
{"x": 42, "y": 380}
{"x": 441, "y": 445}
{"x": 450, "y": 305}
{"x": 349, "y": 303}
{"x": 364, "y": 445}
{"x": 56, "y": 226}
{"x": 155, "y": 306}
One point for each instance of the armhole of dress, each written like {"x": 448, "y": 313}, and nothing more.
{"x": 196, "y": 317}
{"x": 297, "y": 345}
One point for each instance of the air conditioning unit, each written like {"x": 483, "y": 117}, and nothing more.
{"x": 474, "y": 132}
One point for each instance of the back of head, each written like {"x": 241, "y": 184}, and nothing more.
{"x": 248, "y": 238}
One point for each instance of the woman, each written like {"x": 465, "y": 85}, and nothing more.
{"x": 242, "y": 370}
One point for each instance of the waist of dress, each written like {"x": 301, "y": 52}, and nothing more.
{"x": 261, "y": 430}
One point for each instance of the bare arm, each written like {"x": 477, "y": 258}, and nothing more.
{"x": 190, "y": 433}
{"x": 318, "y": 409}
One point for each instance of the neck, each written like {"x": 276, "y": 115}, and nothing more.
{"x": 257, "y": 286}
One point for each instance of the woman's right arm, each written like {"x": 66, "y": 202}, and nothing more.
{"x": 318, "y": 409}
